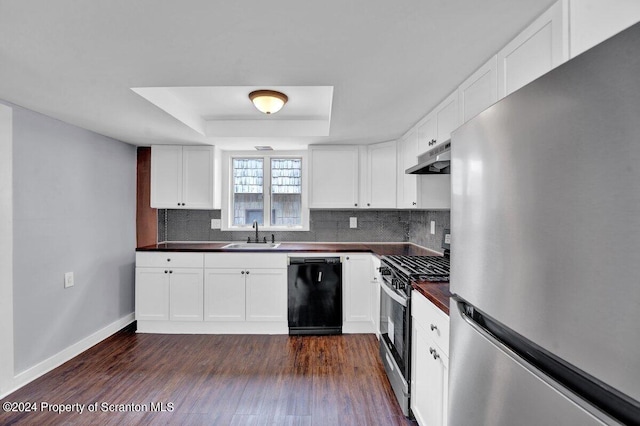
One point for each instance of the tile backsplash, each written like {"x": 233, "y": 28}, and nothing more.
{"x": 325, "y": 226}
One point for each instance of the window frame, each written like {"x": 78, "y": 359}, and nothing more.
{"x": 227, "y": 190}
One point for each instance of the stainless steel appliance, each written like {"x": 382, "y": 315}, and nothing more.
{"x": 545, "y": 221}
{"x": 315, "y": 295}
{"x": 395, "y": 313}
{"x": 434, "y": 161}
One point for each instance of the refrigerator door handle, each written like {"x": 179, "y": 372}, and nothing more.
{"x": 565, "y": 378}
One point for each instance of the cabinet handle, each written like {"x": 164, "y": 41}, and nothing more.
{"x": 368, "y": 204}
{"x": 178, "y": 203}
{"x": 347, "y": 257}
{"x": 242, "y": 272}
{"x": 247, "y": 272}
{"x": 166, "y": 272}
{"x": 168, "y": 260}
{"x": 183, "y": 204}
{"x": 434, "y": 327}
{"x": 432, "y": 142}
{"x": 434, "y": 353}
{"x": 414, "y": 203}
{"x": 171, "y": 272}
{"x": 356, "y": 204}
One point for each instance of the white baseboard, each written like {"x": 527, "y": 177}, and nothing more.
{"x": 65, "y": 355}
{"x": 213, "y": 327}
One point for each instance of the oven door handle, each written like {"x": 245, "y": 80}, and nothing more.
{"x": 392, "y": 294}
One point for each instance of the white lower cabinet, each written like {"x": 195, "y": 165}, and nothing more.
{"x": 169, "y": 287}
{"x": 224, "y": 295}
{"x": 239, "y": 293}
{"x": 266, "y": 295}
{"x": 245, "y": 294}
{"x": 152, "y": 294}
{"x": 429, "y": 362}
{"x": 357, "y": 283}
{"x": 185, "y": 295}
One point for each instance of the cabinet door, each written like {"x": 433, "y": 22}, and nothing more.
{"x": 334, "y": 177}
{"x": 266, "y": 294}
{"x": 186, "y": 294}
{"x": 479, "y": 91}
{"x": 594, "y": 21}
{"x": 197, "y": 172}
{"x": 447, "y": 117}
{"x": 356, "y": 286}
{"x": 407, "y": 188}
{"x": 381, "y": 189}
{"x": 543, "y": 45}
{"x": 434, "y": 192}
{"x": 224, "y": 294}
{"x": 429, "y": 377}
{"x": 427, "y": 133}
{"x": 152, "y": 294}
{"x": 375, "y": 295}
{"x": 166, "y": 177}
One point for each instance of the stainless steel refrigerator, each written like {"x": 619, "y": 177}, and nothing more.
{"x": 545, "y": 257}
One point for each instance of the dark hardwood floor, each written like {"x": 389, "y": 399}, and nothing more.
{"x": 216, "y": 380}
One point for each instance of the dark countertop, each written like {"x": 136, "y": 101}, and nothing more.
{"x": 380, "y": 249}
{"x": 437, "y": 293}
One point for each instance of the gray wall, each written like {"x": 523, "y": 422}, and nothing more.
{"x": 74, "y": 210}
{"x": 325, "y": 226}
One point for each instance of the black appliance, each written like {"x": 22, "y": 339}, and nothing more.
{"x": 315, "y": 295}
{"x": 395, "y": 312}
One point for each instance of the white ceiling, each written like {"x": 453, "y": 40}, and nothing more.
{"x": 389, "y": 62}
{"x": 227, "y": 111}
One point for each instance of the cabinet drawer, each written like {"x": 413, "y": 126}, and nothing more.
{"x": 432, "y": 319}
{"x": 245, "y": 260}
{"x": 169, "y": 259}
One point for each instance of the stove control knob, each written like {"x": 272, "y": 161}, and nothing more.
{"x": 384, "y": 270}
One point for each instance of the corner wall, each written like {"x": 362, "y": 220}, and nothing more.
{"x": 6, "y": 249}
{"x": 74, "y": 198}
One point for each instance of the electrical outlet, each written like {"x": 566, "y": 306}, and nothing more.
{"x": 68, "y": 280}
{"x": 353, "y": 222}
{"x": 216, "y": 223}
{"x": 433, "y": 227}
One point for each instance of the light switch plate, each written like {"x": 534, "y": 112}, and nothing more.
{"x": 433, "y": 227}
{"x": 68, "y": 280}
{"x": 353, "y": 222}
{"x": 216, "y": 223}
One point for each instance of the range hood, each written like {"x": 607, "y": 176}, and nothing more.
{"x": 435, "y": 161}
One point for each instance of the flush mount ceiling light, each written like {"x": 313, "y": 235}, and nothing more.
{"x": 268, "y": 101}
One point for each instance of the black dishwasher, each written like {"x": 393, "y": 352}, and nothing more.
{"x": 315, "y": 295}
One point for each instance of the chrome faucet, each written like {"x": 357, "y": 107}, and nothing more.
{"x": 255, "y": 225}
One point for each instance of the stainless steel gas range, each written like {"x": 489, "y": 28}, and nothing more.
{"x": 395, "y": 313}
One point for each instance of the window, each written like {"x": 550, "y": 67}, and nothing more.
{"x": 267, "y": 189}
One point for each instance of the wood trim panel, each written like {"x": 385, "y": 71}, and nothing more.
{"x": 146, "y": 217}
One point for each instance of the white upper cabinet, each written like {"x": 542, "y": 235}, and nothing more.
{"x": 437, "y": 126}
{"x": 166, "y": 176}
{"x": 542, "y": 46}
{"x": 479, "y": 91}
{"x": 593, "y": 21}
{"x": 407, "y": 185}
{"x": 379, "y": 187}
{"x": 447, "y": 117}
{"x": 334, "y": 173}
{"x": 184, "y": 177}
{"x": 427, "y": 133}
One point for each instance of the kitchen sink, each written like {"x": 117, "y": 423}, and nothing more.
{"x": 251, "y": 246}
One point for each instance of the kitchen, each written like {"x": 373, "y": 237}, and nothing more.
{"x": 91, "y": 194}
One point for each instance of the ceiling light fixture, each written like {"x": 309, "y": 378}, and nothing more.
{"x": 268, "y": 101}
